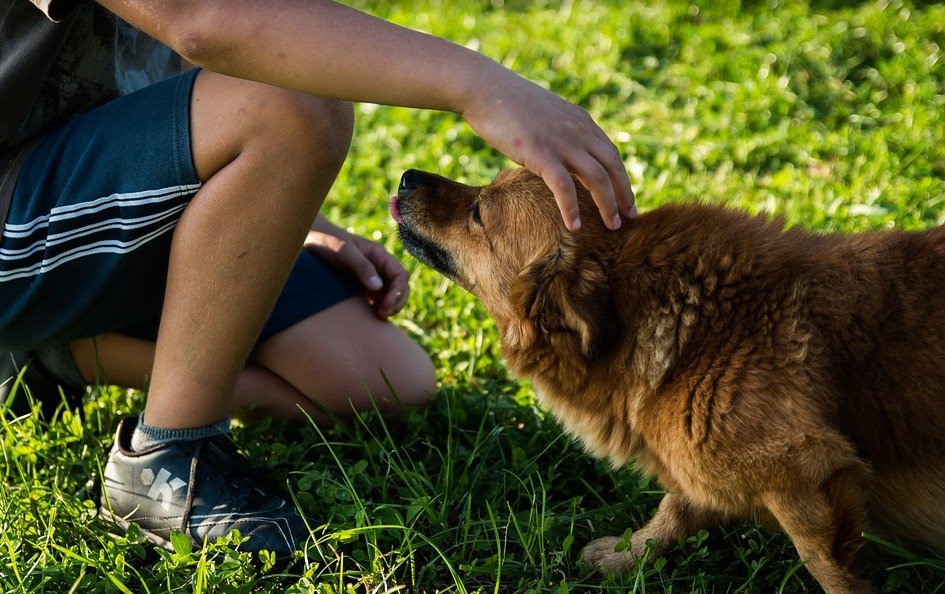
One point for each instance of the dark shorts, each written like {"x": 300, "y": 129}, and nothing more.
{"x": 86, "y": 245}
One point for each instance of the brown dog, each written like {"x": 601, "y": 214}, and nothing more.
{"x": 755, "y": 372}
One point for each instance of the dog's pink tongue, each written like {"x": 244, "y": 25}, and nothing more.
{"x": 394, "y": 210}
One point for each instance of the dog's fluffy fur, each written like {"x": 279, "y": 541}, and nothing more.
{"x": 755, "y": 372}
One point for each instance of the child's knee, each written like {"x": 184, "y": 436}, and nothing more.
{"x": 324, "y": 126}
{"x": 231, "y": 115}
{"x": 418, "y": 377}
{"x": 406, "y": 375}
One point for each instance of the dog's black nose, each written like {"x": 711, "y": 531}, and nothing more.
{"x": 409, "y": 181}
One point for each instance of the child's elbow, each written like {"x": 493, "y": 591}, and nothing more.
{"x": 199, "y": 31}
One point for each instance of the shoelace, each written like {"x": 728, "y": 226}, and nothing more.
{"x": 189, "y": 503}
{"x": 229, "y": 459}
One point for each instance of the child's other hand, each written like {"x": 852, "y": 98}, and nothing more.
{"x": 379, "y": 272}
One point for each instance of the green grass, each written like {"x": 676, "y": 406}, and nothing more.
{"x": 829, "y": 113}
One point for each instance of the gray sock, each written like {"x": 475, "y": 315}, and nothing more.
{"x": 146, "y": 436}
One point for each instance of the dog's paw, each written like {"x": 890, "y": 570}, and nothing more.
{"x": 601, "y": 554}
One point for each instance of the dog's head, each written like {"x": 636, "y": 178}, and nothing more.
{"x": 507, "y": 244}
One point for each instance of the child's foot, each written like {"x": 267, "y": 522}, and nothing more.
{"x": 202, "y": 488}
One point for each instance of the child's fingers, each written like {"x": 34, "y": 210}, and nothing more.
{"x": 396, "y": 280}
{"x": 363, "y": 268}
{"x": 554, "y": 139}
{"x": 398, "y": 286}
{"x": 598, "y": 181}
{"x": 559, "y": 181}
{"x": 395, "y": 297}
{"x": 609, "y": 158}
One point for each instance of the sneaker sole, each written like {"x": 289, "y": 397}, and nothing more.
{"x": 125, "y": 524}
{"x": 283, "y": 562}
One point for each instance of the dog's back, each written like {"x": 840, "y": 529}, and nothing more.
{"x": 862, "y": 315}
{"x": 891, "y": 374}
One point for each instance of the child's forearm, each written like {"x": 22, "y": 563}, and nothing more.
{"x": 317, "y": 47}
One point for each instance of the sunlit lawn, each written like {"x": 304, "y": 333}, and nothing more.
{"x": 828, "y": 113}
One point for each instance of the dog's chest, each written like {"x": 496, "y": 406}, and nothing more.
{"x": 621, "y": 429}
{"x": 604, "y": 426}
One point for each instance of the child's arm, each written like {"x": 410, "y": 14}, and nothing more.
{"x": 326, "y": 49}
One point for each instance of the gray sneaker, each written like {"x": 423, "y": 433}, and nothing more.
{"x": 203, "y": 488}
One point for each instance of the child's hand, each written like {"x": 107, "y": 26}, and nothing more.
{"x": 381, "y": 273}
{"x": 552, "y": 137}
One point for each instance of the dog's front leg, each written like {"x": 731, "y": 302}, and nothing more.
{"x": 825, "y": 524}
{"x": 676, "y": 518}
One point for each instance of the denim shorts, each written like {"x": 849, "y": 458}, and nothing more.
{"x": 86, "y": 245}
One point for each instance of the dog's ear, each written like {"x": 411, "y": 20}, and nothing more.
{"x": 564, "y": 293}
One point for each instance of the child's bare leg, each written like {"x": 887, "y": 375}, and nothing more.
{"x": 267, "y": 158}
{"x": 125, "y": 361}
{"x": 344, "y": 357}
{"x": 341, "y": 373}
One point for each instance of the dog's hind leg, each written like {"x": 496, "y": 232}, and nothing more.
{"x": 676, "y": 518}
{"x": 825, "y": 523}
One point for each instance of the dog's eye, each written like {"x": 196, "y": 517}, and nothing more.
{"x": 475, "y": 213}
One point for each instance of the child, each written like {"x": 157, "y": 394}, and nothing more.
{"x": 159, "y": 233}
